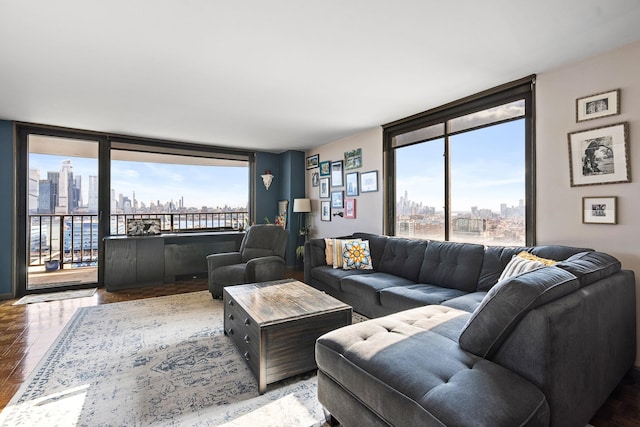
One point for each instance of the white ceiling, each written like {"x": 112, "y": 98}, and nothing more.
{"x": 280, "y": 74}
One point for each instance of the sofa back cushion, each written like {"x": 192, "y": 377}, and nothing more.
{"x": 590, "y": 267}
{"x": 507, "y": 302}
{"x": 377, "y": 243}
{"x": 402, "y": 257}
{"x": 496, "y": 259}
{"x": 452, "y": 265}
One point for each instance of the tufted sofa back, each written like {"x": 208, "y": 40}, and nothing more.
{"x": 403, "y": 258}
{"x": 452, "y": 265}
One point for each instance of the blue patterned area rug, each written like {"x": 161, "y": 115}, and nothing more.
{"x": 159, "y": 361}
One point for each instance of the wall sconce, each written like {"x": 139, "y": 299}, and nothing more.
{"x": 267, "y": 177}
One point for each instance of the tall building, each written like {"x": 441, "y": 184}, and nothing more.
{"x": 34, "y": 180}
{"x": 93, "y": 194}
{"x": 65, "y": 188}
{"x": 45, "y": 205}
{"x": 54, "y": 180}
{"x": 76, "y": 193}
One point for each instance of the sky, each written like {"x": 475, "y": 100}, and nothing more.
{"x": 488, "y": 168}
{"x": 210, "y": 186}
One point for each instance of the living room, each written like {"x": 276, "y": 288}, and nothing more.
{"x": 558, "y": 84}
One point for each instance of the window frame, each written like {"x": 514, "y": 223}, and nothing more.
{"x": 522, "y": 89}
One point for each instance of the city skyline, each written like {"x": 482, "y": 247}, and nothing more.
{"x": 487, "y": 167}
{"x": 156, "y": 181}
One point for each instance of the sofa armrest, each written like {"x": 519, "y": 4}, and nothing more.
{"x": 314, "y": 256}
{"x": 264, "y": 269}
{"x": 220, "y": 260}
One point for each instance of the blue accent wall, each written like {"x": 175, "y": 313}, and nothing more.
{"x": 6, "y": 210}
{"x": 293, "y": 187}
{"x": 288, "y": 183}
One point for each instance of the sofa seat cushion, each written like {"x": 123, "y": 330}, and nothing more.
{"x": 409, "y": 367}
{"x": 327, "y": 275}
{"x": 590, "y": 267}
{"x": 507, "y": 302}
{"x": 229, "y": 274}
{"x": 368, "y": 286}
{"x": 411, "y": 296}
{"x": 467, "y": 302}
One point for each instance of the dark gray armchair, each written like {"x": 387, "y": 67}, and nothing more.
{"x": 260, "y": 259}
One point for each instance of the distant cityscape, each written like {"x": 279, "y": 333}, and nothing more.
{"x": 61, "y": 192}
{"x": 481, "y": 225}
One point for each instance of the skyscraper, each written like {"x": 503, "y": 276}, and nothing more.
{"x": 93, "y": 194}
{"x": 65, "y": 188}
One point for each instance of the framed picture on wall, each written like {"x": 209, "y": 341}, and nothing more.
{"x": 351, "y": 180}
{"x": 350, "y": 208}
{"x": 599, "y": 210}
{"x": 336, "y": 173}
{"x": 598, "y": 105}
{"x": 312, "y": 161}
{"x": 325, "y": 168}
{"x": 324, "y": 188}
{"x": 337, "y": 199}
{"x": 325, "y": 211}
{"x": 368, "y": 181}
{"x": 353, "y": 159}
{"x": 599, "y": 155}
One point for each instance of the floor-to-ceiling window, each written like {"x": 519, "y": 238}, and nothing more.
{"x": 464, "y": 172}
{"x": 77, "y": 187}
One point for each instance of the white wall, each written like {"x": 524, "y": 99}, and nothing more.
{"x": 559, "y": 213}
{"x": 369, "y": 213}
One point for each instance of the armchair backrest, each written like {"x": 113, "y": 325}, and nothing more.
{"x": 264, "y": 240}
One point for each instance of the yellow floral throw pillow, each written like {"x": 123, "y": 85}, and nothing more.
{"x": 356, "y": 256}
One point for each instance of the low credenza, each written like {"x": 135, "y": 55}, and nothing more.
{"x": 275, "y": 326}
{"x": 139, "y": 261}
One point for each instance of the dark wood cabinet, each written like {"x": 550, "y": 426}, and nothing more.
{"x": 135, "y": 262}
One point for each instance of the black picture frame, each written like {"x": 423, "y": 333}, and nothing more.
{"x": 323, "y": 190}
{"x": 325, "y": 210}
{"x": 313, "y": 161}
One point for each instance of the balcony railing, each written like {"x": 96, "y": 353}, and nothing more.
{"x": 73, "y": 239}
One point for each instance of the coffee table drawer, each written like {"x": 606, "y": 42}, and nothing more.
{"x": 244, "y": 333}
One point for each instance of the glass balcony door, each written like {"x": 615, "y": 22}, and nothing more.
{"x": 62, "y": 230}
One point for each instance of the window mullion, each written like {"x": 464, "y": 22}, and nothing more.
{"x": 447, "y": 187}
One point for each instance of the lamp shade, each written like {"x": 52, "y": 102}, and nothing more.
{"x": 301, "y": 205}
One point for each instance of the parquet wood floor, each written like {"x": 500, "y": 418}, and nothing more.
{"x": 27, "y": 331}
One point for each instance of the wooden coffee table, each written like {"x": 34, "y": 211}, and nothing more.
{"x": 275, "y": 325}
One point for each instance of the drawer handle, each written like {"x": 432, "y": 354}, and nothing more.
{"x": 247, "y": 339}
{"x": 246, "y": 322}
{"x": 246, "y": 355}
{"x": 231, "y": 317}
{"x": 230, "y": 331}
{"x": 230, "y": 302}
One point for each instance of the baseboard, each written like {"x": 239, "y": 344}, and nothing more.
{"x": 6, "y": 297}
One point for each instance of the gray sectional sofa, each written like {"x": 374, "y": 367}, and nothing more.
{"x": 451, "y": 345}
